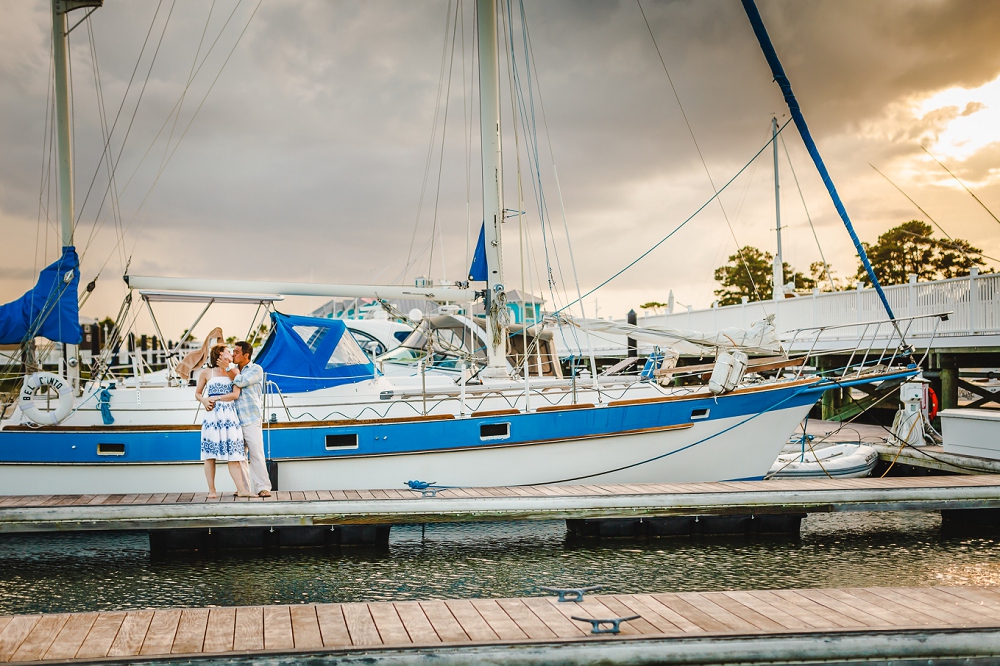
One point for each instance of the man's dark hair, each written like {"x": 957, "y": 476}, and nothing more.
{"x": 246, "y": 348}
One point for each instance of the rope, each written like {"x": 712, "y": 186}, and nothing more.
{"x": 679, "y": 226}
{"x": 704, "y": 164}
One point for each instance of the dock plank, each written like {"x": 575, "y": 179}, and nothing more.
{"x": 248, "y": 633}
{"x": 14, "y": 634}
{"x": 472, "y": 623}
{"x": 958, "y": 608}
{"x": 190, "y": 634}
{"x": 619, "y": 609}
{"x": 278, "y": 628}
{"x": 858, "y": 617}
{"x": 67, "y": 643}
{"x": 220, "y": 631}
{"x": 40, "y": 638}
{"x": 332, "y": 627}
{"x": 692, "y": 614}
{"x": 897, "y": 606}
{"x": 784, "y": 617}
{"x": 636, "y": 606}
{"x": 668, "y": 614}
{"x": 525, "y": 619}
{"x": 305, "y": 627}
{"x": 161, "y": 632}
{"x": 101, "y": 636}
{"x": 128, "y": 642}
{"x": 744, "y": 612}
{"x": 828, "y": 617}
{"x": 390, "y": 627}
{"x": 560, "y": 625}
{"x": 416, "y": 623}
{"x": 935, "y": 613}
{"x": 705, "y": 602}
{"x": 501, "y": 623}
{"x": 360, "y": 625}
{"x": 447, "y": 628}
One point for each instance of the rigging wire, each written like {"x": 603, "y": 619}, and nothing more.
{"x": 562, "y": 207}
{"x": 701, "y": 156}
{"x": 934, "y": 222}
{"x": 682, "y": 224}
{"x": 125, "y": 96}
{"x": 190, "y": 123}
{"x": 826, "y": 266}
{"x": 444, "y": 134}
{"x": 926, "y": 214}
{"x": 959, "y": 181}
{"x": 163, "y": 126}
{"x": 430, "y": 144}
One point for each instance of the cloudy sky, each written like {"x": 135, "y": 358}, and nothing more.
{"x": 306, "y": 140}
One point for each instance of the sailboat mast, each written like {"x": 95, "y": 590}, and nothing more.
{"x": 778, "y": 276}
{"x": 65, "y": 141}
{"x": 489, "y": 122}
{"x": 60, "y": 53}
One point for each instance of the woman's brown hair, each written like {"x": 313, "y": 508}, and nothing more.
{"x": 215, "y": 354}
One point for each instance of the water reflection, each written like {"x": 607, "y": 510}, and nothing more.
{"x": 72, "y": 572}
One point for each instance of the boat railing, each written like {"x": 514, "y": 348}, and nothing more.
{"x": 879, "y": 342}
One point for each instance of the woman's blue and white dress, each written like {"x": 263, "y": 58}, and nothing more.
{"x": 221, "y": 434}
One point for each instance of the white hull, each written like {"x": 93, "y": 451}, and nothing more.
{"x": 730, "y": 455}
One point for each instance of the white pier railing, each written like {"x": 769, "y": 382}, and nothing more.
{"x": 973, "y": 303}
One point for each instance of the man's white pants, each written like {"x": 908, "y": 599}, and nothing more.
{"x": 253, "y": 435}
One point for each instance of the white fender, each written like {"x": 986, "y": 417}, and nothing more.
{"x": 42, "y": 416}
{"x": 720, "y": 374}
{"x": 740, "y": 362}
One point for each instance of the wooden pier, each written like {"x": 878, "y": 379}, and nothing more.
{"x": 327, "y": 511}
{"x": 748, "y": 626}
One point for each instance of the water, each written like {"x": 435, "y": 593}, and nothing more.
{"x": 80, "y": 572}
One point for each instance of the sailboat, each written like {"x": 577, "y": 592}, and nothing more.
{"x": 333, "y": 420}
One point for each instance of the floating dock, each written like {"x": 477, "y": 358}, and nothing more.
{"x": 935, "y": 625}
{"x": 338, "y": 512}
{"x": 905, "y": 459}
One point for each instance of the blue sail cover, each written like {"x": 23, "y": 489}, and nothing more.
{"x": 477, "y": 271}
{"x": 309, "y": 353}
{"x": 50, "y": 310}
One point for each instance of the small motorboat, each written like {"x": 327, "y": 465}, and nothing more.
{"x": 839, "y": 461}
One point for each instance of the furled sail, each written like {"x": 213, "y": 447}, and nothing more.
{"x": 50, "y": 309}
{"x": 759, "y": 338}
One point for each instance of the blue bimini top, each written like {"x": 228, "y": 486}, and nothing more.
{"x": 308, "y": 353}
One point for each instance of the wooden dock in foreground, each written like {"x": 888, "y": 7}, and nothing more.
{"x": 68, "y": 513}
{"x": 746, "y": 626}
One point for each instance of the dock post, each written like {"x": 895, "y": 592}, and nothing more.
{"x": 949, "y": 381}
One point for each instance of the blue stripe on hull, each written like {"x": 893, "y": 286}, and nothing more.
{"x": 68, "y": 446}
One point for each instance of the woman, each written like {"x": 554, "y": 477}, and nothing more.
{"x": 221, "y": 436}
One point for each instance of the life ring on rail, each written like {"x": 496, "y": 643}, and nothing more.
{"x": 45, "y": 416}
{"x": 932, "y": 404}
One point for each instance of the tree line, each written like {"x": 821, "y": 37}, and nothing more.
{"x": 904, "y": 250}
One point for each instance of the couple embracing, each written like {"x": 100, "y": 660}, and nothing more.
{"x": 232, "y": 390}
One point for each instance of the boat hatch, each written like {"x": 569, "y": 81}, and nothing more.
{"x": 115, "y": 449}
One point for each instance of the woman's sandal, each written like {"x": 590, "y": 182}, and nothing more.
{"x": 264, "y": 493}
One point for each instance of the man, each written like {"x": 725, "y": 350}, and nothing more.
{"x": 249, "y": 406}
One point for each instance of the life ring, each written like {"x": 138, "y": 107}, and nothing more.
{"x": 932, "y": 404}
{"x": 45, "y": 416}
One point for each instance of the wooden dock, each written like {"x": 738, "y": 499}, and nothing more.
{"x": 755, "y": 626}
{"x": 68, "y": 513}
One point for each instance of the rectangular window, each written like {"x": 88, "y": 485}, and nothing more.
{"x": 348, "y": 441}
{"x": 698, "y": 414}
{"x": 110, "y": 449}
{"x": 494, "y": 431}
